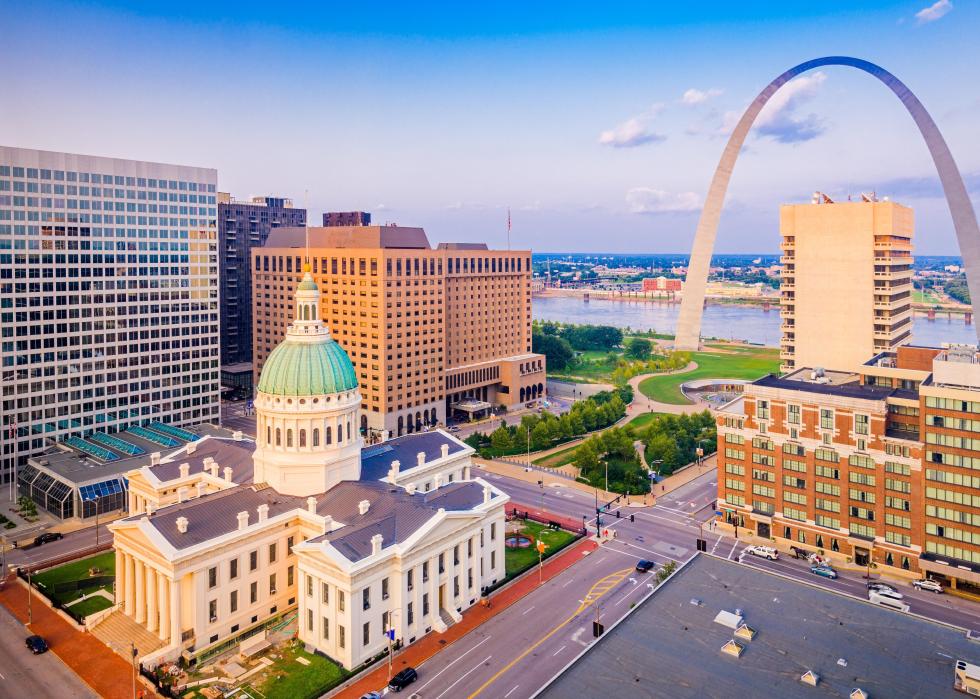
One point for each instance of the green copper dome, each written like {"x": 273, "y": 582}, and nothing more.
{"x": 307, "y": 285}
{"x": 307, "y": 369}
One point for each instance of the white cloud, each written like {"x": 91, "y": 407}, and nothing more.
{"x": 646, "y": 200}
{"x": 633, "y": 132}
{"x": 935, "y": 11}
{"x": 779, "y": 119}
{"x": 696, "y": 96}
{"x": 729, "y": 121}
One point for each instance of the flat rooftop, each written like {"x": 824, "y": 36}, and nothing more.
{"x": 792, "y": 382}
{"x": 670, "y": 645}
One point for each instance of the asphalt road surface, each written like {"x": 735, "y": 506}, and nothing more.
{"x": 72, "y": 542}
{"x": 28, "y": 676}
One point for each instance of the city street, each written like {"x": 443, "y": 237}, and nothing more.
{"x": 72, "y": 542}
{"x": 23, "y": 674}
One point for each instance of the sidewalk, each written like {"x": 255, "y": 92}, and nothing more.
{"x": 106, "y": 673}
{"x": 417, "y": 653}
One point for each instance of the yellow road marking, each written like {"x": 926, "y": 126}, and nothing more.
{"x": 600, "y": 588}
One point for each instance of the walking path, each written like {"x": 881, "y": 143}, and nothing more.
{"x": 108, "y": 674}
{"x": 417, "y": 653}
{"x": 648, "y": 405}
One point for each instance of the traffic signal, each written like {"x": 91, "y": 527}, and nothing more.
{"x": 617, "y": 514}
{"x": 702, "y": 545}
{"x": 632, "y": 518}
{"x": 597, "y": 629}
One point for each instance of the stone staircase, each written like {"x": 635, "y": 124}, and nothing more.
{"x": 118, "y": 630}
{"x": 446, "y": 617}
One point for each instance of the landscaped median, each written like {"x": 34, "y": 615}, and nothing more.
{"x": 80, "y": 587}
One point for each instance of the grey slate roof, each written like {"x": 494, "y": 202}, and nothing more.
{"x": 393, "y": 513}
{"x": 226, "y": 452}
{"x": 669, "y": 646}
{"x": 376, "y": 460}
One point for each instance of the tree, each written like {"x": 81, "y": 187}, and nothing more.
{"x": 638, "y": 348}
{"x": 501, "y": 439}
{"x": 587, "y": 456}
{"x": 556, "y": 350}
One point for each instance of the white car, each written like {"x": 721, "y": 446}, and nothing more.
{"x": 767, "y": 552}
{"x": 929, "y": 585}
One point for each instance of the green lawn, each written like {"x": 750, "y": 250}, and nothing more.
{"x": 559, "y": 458}
{"x": 518, "y": 560}
{"x": 287, "y": 678}
{"x": 90, "y": 606}
{"x": 76, "y": 570}
{"x": 748, "y": 363}
{"x": 641, "y": 421}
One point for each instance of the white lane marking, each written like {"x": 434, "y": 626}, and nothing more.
{"x": 623, "y": 598}
{"x": 569, "y": 582}
{"x": 453, "y": 662}
{"x": 511, "y": 691}
{"x": 2, "y": 677}
{"x": 576, "y": 639}
{"x": 477, "y": 667}
{"x": 558, "y": 651}
{"x": 671, "y": 509}
{"x": 634, "y": 557}
{"x": 652, "y": 553}
{"x": 733, "y": 549}
{"x": 527, "y": 610}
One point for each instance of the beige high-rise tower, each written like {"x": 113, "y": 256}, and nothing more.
{"x": 847, "y": 281}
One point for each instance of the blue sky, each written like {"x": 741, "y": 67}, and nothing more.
{"x": 598, "y": 125}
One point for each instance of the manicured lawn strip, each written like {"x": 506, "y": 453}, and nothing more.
{"x": 90, "y": 606}
{"x": 75, "y": 570}
{"x": 300, "y": 681}
{"x": 516, "y": 561}
{"x": 747, "y": 364}
{"x": 559, "y": 458}
{"x": 641, "y": 421}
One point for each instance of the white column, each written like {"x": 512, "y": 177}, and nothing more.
{"x": 140, "y": 580}
{"x": 151, "y": 599}
{"x": 129, "y": 596}
{"x": 163, "y": 602}
{"x": 175, "y": 612}
{"x": 132, "y": 502}
{"x": 120, "y": 593}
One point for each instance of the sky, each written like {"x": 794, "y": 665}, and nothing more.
{"x": 598, "y": 126}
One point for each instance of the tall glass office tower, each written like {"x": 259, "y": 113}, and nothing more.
{"x": 109, "y": 294}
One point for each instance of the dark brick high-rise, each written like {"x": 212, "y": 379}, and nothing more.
{"x": 243, "y": 225}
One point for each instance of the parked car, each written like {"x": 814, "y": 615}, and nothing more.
{"x": 885, "y": 591}
{"x": 403, "y": 679}
{"x": 46, "y": 537}
{"x": 454, "y": 428}
{"x": 929, "y": 585}
{"x": 824, "y": 571}
{"x": 767, "y": 552}
{"x": 36, "y": 644}
{"x": 887, "y": 600}
{"x": 644, "y": 566}
{"x": 372, "y": 695}
{"x": 878, "y": 586}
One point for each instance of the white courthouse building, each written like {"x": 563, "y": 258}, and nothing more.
{"x": 226, "y": 537}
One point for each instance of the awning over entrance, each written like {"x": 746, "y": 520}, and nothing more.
{"x": 472, "y": 405}
{"x": 960, "y": 572}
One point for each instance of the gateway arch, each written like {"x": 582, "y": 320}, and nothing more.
{"x": 964, "y": 219}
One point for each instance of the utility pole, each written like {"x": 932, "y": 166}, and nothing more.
{"x": 133, "y": 647}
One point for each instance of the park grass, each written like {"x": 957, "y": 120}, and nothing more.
{"x": 287, "y": 678}
{"x": 90, "y": 606}
{"x": 516, "y": 561}
{"x": 748, "y": 363}
{"x": 641, "y": 421}
{"x": 559, "y": 458}
{"x": 75, "y": 570}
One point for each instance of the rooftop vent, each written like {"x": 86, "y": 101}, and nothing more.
{"x": 191, "y": 447}
{"x": 733, "y": 648}
{"x": 228, "y": 473}
{"x": 810, "y": 677}
{"x": 327, "y": 524}
{"x": 444, "y": 450}
{"x": 376, "y": 542}
{"x": 182, "y": 525}
{"x": 311, "y": 504}
{"x": 363, "y": 506}
{"x": 393, "y": 471}
{"x": 841, "y": 662}
{"x": 420, "y": 458}
{"x": 154, "y": 458}
{"x": 243, "y": 519}
{"x": 185, "y": 469}
{"x": 410, "y": 489}
{"x": 732, "y": 621}
{"x": 696, "y": 602}
{"x": 263, "y": 511}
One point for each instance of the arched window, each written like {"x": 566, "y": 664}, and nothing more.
{"x": 329, "y": 437}
{"x": 289, "y": 438}
{"x": 316, "y": 436}
{"x": 401, "y": 425}
{"x": 302, "y": 438}
{"x": 348, "y": 430}
{"x": 278, "y": 437}
{"x": 340, "y": 431}
{"x": 268, "y": 434}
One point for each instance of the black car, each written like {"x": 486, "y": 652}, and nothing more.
{"x": 46, "y": 537}
{"x": 800, "y": 552}
{"x": 36, "y": 644}
{"x": 644, "y": 566}
{"x": 403, "y": 679}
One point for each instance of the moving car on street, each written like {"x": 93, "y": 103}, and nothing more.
{"x": 644, "y": 566}
{"x": 767, "y": 552}
{"x": 824, "y": 571}
{"x": 878, "y": 586}
{"x": 46, "y": 537}
{"x": 929, "y": 585}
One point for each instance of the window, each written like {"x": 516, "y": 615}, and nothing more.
{"x": 340, "y": 600}
{"x": 384, "y": 588}
{"x": 212, "y": 577}
{"x": 309, "y": 585}
{"x": 290, "y": 575}
{"x": 213, "y": 610}
{"x": 425, "y": 572}
{"x": 826, "y": 455}
{"x": 272, "y": 553}
{"x": 366, "y": 597}
{"x": 493, "y": 560}
{"x": 862, "y": 424}
{"x": 309, "y": 620}
{"x": 793, "y": 414}
{"x": 289, "y": 546}
{"x": 367, "y": 632}
{"x": 793, "y": 513}
{"x": 411, "y": 580}
{"x": 410, "y": 614}
{"x": 762, "y": 409}
{"x": 442, "y": 563}
{"x": 828, "y": 522}
{"x": 233, "y": 569}
{"x": 253, "y": 560}
{"x": 861, "y": 495}
{"x": 326, "y": 628}
{"x": 826, "y": 419}
{"x": 341, "y": 637}
{"x": 233, "y": 601}
{"x": 425, "y": 604}
{"x": 493, "y": 531}
{"x": 253, "y": 593}
{"x": 325, "y": 593}
{"x": 272, "y": 584}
